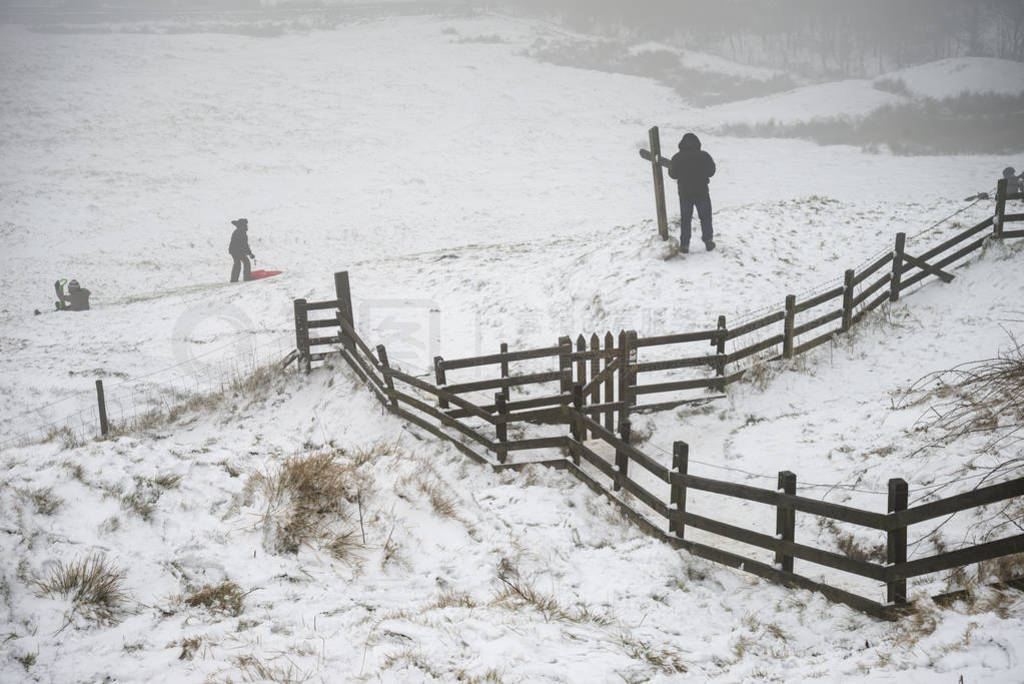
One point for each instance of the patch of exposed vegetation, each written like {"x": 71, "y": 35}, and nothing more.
{"x": 312, "y": 501}
{"x": 970, "y": 123}
{"x": 93, "y": 585}
{"x": 225, "y": 598}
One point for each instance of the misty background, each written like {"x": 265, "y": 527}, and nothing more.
{"x": 793, "y": 42}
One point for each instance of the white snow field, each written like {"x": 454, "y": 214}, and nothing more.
{"x": 458, "y": 182}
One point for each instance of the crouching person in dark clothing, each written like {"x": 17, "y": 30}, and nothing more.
{"x": 692, "y": 169}
{"x": 75, "y": 299}
{"x": 239, "y": 250}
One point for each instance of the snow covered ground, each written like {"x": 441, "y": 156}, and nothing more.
{"x": 452, "y": 177}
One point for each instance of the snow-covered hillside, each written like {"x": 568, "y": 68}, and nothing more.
{"x": 453, "y": 177}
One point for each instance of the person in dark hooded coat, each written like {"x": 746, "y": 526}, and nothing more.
{"x": 692, "y": 169}
{"x": 75, "y": 299}
{"x": 239, "y": 250}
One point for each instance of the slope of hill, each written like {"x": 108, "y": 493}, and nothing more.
{"x": 451, "y": 175}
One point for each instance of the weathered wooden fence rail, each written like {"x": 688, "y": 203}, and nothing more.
{"x": 591, "y": 387}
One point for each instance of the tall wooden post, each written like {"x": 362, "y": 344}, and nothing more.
{"x": 847, "y": 300}
{"x": 787, "y": 330}
{"x": 896, "y": 542}
{"x": 677, "y": 495}
{"x": 659, "y": 182}
{"x": 102, "y": 407}
{"x": 785, "y": 519}
{"x": 1002, "y": 187}
{"x": 344, "y": 297}
{"x": 897, "y": 267}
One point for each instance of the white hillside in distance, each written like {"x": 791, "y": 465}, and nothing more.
{"x": 453, "y": 177}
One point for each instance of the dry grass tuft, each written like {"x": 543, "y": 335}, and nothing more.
{"x": 516, "y": 592}
{"x": 253, "y": 669}
{"x": 225, "y": 598}
{"x": 43, "y": 500}
{"x": 304, "y": 498}
{"x": 67, "y": 437}
{"x": 94, "y": 586}
{"x": 667, "y": 660}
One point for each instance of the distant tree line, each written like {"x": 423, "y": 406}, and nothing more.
{"x": 825, "y": 37}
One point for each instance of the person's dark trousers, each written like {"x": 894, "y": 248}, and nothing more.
{"x": 686, "y": 205}
{"x": 241, "y": 264}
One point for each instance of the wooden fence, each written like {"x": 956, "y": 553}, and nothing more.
{"x": 591, "y": 387}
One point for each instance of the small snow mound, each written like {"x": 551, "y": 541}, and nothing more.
{"x": 952, "y": 77}
{"x": 653, "y": 247}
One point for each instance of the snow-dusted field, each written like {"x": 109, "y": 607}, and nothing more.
{"x": 451, "y": 176}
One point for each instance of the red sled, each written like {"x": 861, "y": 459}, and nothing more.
{"x": 260, "y": 274}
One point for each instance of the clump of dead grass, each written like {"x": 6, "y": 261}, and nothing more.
{"x": 93, "y": 585}
{"x": 225, "y": 598}
{"x": 307, "y": 500}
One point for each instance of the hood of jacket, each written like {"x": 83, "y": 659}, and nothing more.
{"x": 689, "y": 142}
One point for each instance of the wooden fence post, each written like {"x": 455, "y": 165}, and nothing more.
{"x": 785, "y": 519}
{"x": 659, "y": 182}
{"x": 501, "y": 407}
{"x": 565, "y": 364}
{"x": 302, "y": 334}
{"x": 595, "y": 370}
{"x": 581, "y": 374}
{"x": 677, "y": 496}
{"x": 382, "y": 354}
{"x": 440, "y": 379}
{"x": 897, "y": 267}
{"x": 621, "y": 457}
{"x": 504, "y": 369}
{"x": 344, "y": 297}
{"x": 847, "y": 300}
{"x": 102, "y": 407}
{"x": 787, "y": 338}
{"x": 719, "y": 343}
{"x": 1002, "y": 187}
{"x": 609, "y": 383}
{"x": 896, "y": 542}
{"x": 578, "y": 429}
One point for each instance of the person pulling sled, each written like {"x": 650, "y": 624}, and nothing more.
{"x": 239, "y": 250}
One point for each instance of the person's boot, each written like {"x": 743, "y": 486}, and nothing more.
{"x": 684, "y": 249}
{"x": 710, "y": 244}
